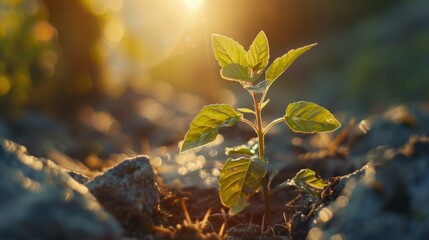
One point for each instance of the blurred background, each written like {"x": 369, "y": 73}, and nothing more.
{"x": 97, "y": 80}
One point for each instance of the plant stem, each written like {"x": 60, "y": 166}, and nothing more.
{"x": 267, "y": 200}
{"x": 260, "y": 130}
{"x": 260, "y": 133}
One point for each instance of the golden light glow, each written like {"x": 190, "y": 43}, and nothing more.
{"x": 4, "y": 85}
{"x": 43, "y": 31}
{"x": 139, "y": 35}
{"x": 113, "y": 31}
{"x": 193, "y": 4}
{"x": 325, "y": 214}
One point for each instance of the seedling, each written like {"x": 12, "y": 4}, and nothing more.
{"x": 243, "y": 176}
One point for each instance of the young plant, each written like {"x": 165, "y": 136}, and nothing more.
{"x": 242, "y": 177}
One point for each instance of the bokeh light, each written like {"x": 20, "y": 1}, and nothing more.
{"x": 193, "y": 4}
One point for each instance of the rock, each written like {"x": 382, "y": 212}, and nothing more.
{"x": 39, "y": 200}
{"x": 392, "y": 128}
{"x": 79, "y": 177}
{"x": 129, "y": 191}
{"x": 388, "y": 202}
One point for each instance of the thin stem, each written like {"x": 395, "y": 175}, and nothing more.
{"x": 267, "y": 200}
{"x": 259, "y": 130}
{"x": 272, "y": 124}
{"x": 249, "y": 123}
{"x": 265, "y": 179}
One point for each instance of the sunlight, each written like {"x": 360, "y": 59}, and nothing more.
{"x": 193, "y": 4}
{"x": 139, "y": 35}
{"x": 114, "y": 31}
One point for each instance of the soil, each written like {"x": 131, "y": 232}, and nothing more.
{"x": 292, "y": 210}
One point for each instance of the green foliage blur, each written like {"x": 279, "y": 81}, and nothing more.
{"x": 47, "y": 57}
{"x": 27, "y": 55}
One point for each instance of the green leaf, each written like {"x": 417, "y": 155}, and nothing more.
{"x": 237, "y": 72}
{"x": 282, "y": 63}
{"x": 306, "y": 179}
{"x": 259, "y": 52}
{"x": 308, "y": 117}
{"x": 260, "y": 87}
{"x": 239, "y": 178}
{"x": 250, "y": 149}
{"x": 246, "y": 110}
{"x": 228, "y": 51}
{"x": 265, "y": 103}
{"x": 205, "y": 126}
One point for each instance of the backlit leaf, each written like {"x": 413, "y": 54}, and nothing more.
{"x": 308, "y": 117}
{"x": 246, "y": 110}
{"x": 237, "y": 72}
{"x": 205, "y": 126}
{"x": 239, "y": 179}
{"x": 265, "y": 103}
{"x": 228, "y": 51}
{"x": 306, "y": 179}
{"x": 282, "y": 63}
{"x": 259, "y": 52}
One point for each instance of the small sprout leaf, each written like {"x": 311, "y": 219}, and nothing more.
{"x": 282, "y": 63}
{"x": 239, "y": 179}
{"x": 259, "y": 53}
{"x": 265, "y": 103}
{"x": 260, "y": 87}
{"x": 237, "y": 72}
{"x": 250, "y": 149}
{"x": 228, "y": 51}
{"x": 246, "y": 110}
{"x": 308, "y": 117}
{"x": 205, "y": 126}
{"x": 306, "y": 179}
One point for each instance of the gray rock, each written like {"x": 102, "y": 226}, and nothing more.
{"x": 79, "y": 177}
{"x": 388, "y": 202}
{"x": 392, "y": 128}
{"x": 129, "y": 191}
{"x": 39, "y": 200}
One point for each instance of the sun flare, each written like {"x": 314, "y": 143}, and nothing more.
{"x": 193, "y": 4}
